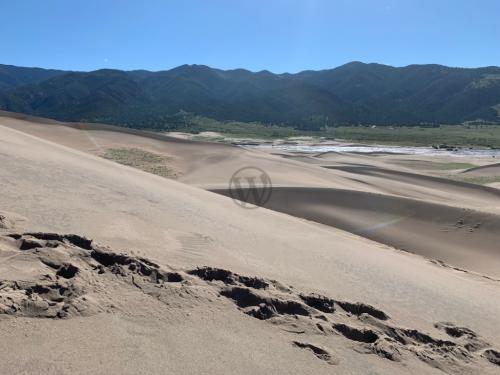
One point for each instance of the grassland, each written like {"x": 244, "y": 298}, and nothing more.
{"x": 236, "y": 129}
{"x": 141, "y": 159}
{"x": 486, "y": 136}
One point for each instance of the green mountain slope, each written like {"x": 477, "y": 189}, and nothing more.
{"x": 350, "y": 94}
{"x": 14, "y": 76}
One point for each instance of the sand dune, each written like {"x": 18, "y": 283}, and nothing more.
{"x": 212, "y": 165}
{"x": 63, "y": 276}
{"x": 484, "y": 170}
{"x": 457, "y": 188}
{"x": 463, "y": 238}
{"x": 138, "y": 303}
{"x": 390, "y": 175}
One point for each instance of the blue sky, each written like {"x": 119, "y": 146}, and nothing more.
{"x": 277, "y": 35}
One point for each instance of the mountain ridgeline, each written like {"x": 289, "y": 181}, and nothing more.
{"x": 354, "y": 93}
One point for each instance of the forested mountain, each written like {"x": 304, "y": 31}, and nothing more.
{"x": 14, "y": 76}
{"x": 354, "y": 93}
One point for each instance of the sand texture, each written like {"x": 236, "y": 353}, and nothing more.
{"x": 357, "y": 264}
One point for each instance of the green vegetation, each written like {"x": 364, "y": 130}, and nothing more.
{"x": 141, "y": 159}
{"x": 487, "y": 136}
{"x": 352, "y": 94}
{"x": 13, "y": 76}
{"x": 235, "y": 129}
{"x": 478, "y": 180}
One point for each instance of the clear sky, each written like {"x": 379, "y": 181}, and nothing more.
{"x": 277, "y": 35}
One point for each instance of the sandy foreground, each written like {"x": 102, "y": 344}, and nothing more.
{"x": 179, "y": 278}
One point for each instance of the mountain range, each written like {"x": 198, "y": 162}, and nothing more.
{"x": 354, "y": 93}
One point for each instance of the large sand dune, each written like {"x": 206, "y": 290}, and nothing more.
{"x": 459, "y": 237}
{"x": 212, "y": 165}
{"x": 150, "y": 310}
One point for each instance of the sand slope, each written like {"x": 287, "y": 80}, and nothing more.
{"x": 63, "y": 277}
{"x": 212, "y": 165}
{"x": 463, "y": 238}
{"x": 485, "y": 170}
{"x": 48, "y": 187}
{"x": 442, "y": 219}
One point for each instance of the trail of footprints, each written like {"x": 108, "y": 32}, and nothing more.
{"x": 78, "y": 266}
